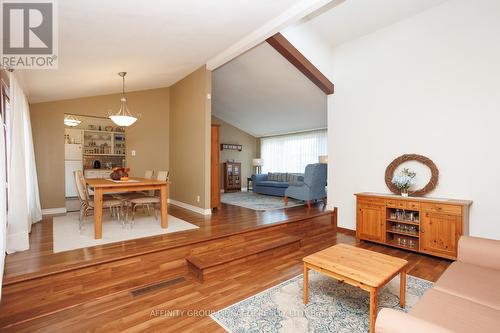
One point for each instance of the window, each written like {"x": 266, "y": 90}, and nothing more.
{"x": 291, "y": 153}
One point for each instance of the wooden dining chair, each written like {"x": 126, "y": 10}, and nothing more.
{"x": 87, "y": 204}
{"x": 148, "y": 200}
{"x": 149, "y": 174}
{"x": 130, "y": 195}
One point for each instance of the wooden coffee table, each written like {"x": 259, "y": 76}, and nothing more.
{"x": 361, "y": 268}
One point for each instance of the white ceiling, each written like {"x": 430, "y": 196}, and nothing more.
{"x": 351, "y": 19}
{"x": 263, "y": 94}
{"x": 156, "y": 42}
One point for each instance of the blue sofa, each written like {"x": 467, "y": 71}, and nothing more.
{"x": 262, "y": 185}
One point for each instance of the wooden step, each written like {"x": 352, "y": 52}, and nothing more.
{"x": 40, "y": 298}
{"x": 241, "y": 250}
{"x": 49, "y": 295}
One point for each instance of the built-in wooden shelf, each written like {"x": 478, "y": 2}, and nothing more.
{"x": 103, "y": 143}
{"x": 403, "y": 233}
{"x": 104, "y": 155}
{"x": 103, "y": 132}
{"x": 404, "y": 222}
{"x": 403, "y": 247}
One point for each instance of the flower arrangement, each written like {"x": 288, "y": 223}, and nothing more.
{"x": 404, "y": 180}
{"x": 120, "y": 174}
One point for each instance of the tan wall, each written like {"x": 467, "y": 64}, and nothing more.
{"x": 190, "y": 114}
{"x": 233, "y": 135}
{"x": 149, "y": 136}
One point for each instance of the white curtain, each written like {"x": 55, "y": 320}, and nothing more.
{"x": 34, "y": 206}
{"x": 292, "y": 152}
{"x": 3, "y": 206}
{"x": 24, "y": 201}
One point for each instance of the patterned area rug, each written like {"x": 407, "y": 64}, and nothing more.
{"x": 257, "y": 201}
{"x": 332, "y": 307}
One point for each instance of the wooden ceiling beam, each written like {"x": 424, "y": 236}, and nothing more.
{"x": 287, "y": 50}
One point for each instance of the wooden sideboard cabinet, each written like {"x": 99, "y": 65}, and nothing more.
{"x": 427, "y": 225}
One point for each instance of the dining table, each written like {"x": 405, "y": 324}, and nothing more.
{"x": 133, "y": 184}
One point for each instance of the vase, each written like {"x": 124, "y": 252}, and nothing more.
{"x": 404, "y": 192}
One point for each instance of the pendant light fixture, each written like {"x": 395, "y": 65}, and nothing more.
{"x": 123, "y": 117}
{"x": 71, "y": 121}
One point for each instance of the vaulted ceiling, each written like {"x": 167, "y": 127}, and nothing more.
{"x": 159, "y": 42}
{"x": 263, "y": 94}
{"x": 156, "y": 42}
{"x": 351, "y": 19}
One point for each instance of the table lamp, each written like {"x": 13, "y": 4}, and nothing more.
{"x": 258, "y": 163}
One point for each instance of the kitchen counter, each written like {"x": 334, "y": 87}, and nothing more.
{"x": 87, "y": 169}
{"x": 97, "y": 173}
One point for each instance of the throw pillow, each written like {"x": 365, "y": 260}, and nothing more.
{"x": 282, "y": 177}
{"x": 272, "y": 176}
{"x": 277, "y": 176}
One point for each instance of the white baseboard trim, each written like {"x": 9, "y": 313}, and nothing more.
{"x": 330, "y": 206}
{"x": 190, "y": 207}
{"x": 243, "y": 189}
{"x": 54, "y": 211}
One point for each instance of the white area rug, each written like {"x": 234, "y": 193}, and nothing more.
{"x": 258, "y": 201}
{"x": 66, "y": 235}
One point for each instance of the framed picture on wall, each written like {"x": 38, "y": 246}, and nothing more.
{"x": 229, "y": 146}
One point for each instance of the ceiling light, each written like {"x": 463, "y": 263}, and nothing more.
{"x": 71, "y": 121}
{"x": 123, "y": 117}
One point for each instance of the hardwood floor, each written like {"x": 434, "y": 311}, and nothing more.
{"x": 109, "y": 295}
{"x": 40, "y": 260}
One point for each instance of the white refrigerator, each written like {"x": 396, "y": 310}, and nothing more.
{"x": 73, "y": 161}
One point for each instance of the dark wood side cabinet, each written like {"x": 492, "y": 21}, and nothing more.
{"x": 427, "y": 225}
{"x": 214, "y": 168}
{"x": 232, "y": 177}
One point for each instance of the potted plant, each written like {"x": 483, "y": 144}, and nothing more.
{"x": 404, "y": 180}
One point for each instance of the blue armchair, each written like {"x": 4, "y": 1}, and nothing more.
{"x": 313, "y": 186}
